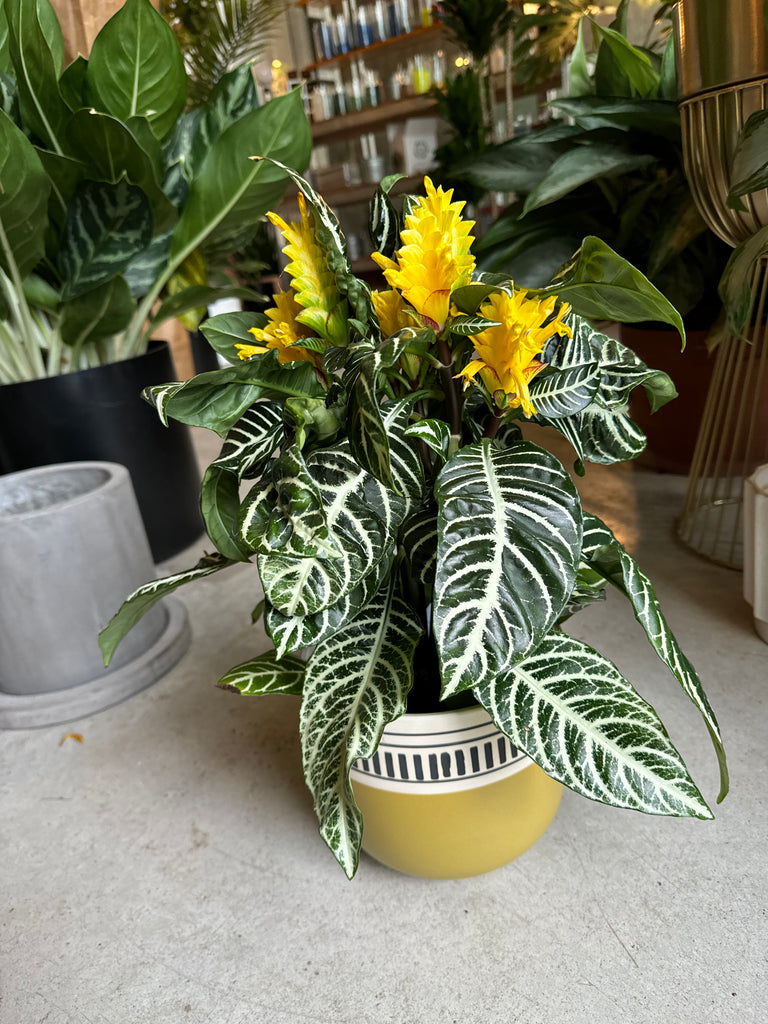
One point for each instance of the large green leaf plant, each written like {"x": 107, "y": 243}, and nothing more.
{"x": 414, "y": 550}
{"x": 610, "y": 163}
{"x": 115, "y": 202}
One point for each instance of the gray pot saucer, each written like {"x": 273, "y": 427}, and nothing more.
{"x": 35, "y": 710}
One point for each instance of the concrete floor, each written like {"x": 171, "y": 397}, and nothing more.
{"x": 168, "y": 869}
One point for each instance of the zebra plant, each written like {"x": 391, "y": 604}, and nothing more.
{"x": 405, "y": 533}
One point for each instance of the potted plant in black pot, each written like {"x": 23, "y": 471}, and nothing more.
{"x": 114, "y": 201}
{"x": 613, "y": 166}
{"x": 422, "y": 552}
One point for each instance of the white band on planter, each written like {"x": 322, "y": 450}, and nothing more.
{"x": 440, "y": 753}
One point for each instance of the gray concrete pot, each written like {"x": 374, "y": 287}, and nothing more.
{"x": 72, "y": 547}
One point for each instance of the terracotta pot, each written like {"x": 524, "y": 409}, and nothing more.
{"x": 448, "y": 796}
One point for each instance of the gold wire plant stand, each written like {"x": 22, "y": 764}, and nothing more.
{"x": 733, "y": 435}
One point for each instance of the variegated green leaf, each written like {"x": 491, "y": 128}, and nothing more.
{"x": 220, "y": 505}
{"x": 265, "y": 674}
{"x": 141, "y": 600}
{"x": 564, "y": 392}
{"x": 599, "y": 435}
{"x": 436, "y": 434}
{"x": 284, "y": 513}
{"x": 384, "y": 223}
{"x": 509, "y": 538}
{"x": 469, "y": 325}
{"x": 602, "y": 551}
{"x": 404, "y": 461}
{"x": 159, "y": 395}
{"x": 366, "y": 430}
{"x": 363, "y": 518}
{"x": 576, "y": 716}
{"x": 252, "y": 440}
{"x": 622, "y": 371}
{"x": 355, "y": 684}
{"x": 334, "y": 246}
{"x": 419, "y": 543}
{"x": 294, "y": 632}
{"x": 106, "y": 227}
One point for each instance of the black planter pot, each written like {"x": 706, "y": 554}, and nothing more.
{"x": 98, "y": 414}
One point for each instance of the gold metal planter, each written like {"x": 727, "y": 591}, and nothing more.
{"x": 722, "y": 54}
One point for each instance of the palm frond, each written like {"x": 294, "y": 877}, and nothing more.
{"x": 218, "y": 36}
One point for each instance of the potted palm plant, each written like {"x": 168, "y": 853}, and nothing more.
{"x": 421, "y": 550}
{"x": 115, "y": 204}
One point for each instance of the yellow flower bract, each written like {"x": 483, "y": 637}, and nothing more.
{"x": 282, "y": 333}
{"x": 434, "y": 258}
{"x": 506, "y": 355}
{"x": 322, "y": 308}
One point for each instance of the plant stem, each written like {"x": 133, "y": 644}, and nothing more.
{"x": 494, "y": 422}
{"x": 449, "y": 386}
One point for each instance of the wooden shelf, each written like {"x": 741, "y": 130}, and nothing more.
{"x": 365, "y": 120}
{"x": 359, "y": 51}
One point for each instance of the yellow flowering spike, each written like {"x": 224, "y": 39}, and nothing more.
{"x": 282, "y": 333}
{"x": 323, "y": 310}
{"x": 506, "y": 355}
{"x": 434, "y": 258}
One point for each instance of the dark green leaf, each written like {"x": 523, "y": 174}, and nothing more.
{"x": 470, "y": 296}
{"x": 220, "y": 505}
{"x": 233, "y": 96}
{"x": 470, "y": 325}
{"x": 573, "y": 713}
{"x": 356, "y": 682}
{"x": 72, "y": 84}
{"x": 750, "y": 161}
{"x": 230, "y": 188}
{"x": 110, "y": 152}
{"x": 36, "y": 47}
{"x": 736, "y": 283}
{"x": 284, "y": 512}
{"x": 99, "y": 313}
{"x": 600, "y": 284}
{"x": 24, "y": 191}
{"x": 580, "y": 165}
{"x": 252, "y": 440}
{"x": 136, "y": 68}
{"x": 225, "y": 330}
{"x": 632, "y": 63}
